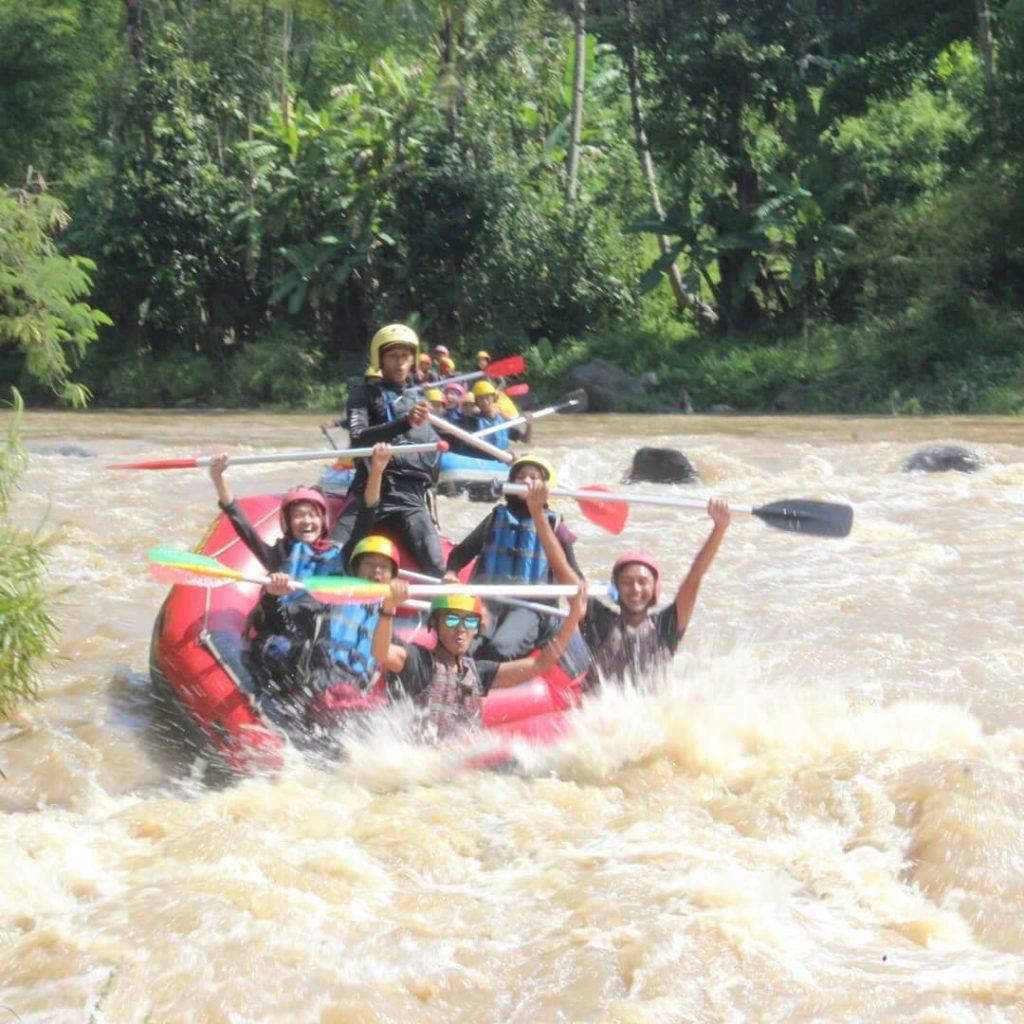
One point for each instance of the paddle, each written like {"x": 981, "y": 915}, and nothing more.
{"x": 608, "y": 510}
{"x": 187, "y": 568}
{"x": 575, "y": 400}
{"x": 446, "y": 426}
{"x": 517, "y": 390}
{"x": 533, "y": 606}
{"x": 330, "y": 440}
{"x": 242, "y": 460}
{"x": 507, "y": 367}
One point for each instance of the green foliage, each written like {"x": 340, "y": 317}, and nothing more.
{"x": 57, "y": 67}
{"x": 41, "y": 309}
{"x": 834, "y": 174}
{"x": 278, "y": 371}
{"x": 27, "y": 631}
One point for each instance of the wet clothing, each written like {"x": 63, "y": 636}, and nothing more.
{"x": 449, "y": 693}
{"x": 377, "y": 413}
{"x": 631, "y": 655}
{"x": 302, "y": 650}
{"x": 508, "y": 550}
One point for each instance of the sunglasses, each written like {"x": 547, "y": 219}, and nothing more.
{"x": 453, "y": 620}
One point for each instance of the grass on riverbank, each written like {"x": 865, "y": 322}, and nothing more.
{"x": 27, "y": 632}
{"x": 950, "y": 362}
{"x": 964, "y": 357}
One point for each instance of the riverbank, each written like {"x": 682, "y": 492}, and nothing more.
{"x": 971, "y": 363}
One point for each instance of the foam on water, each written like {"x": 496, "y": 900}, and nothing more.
{"x": 818, "y": 818}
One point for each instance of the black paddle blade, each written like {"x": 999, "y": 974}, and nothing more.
{"x": 575, "y": 401}
{"x": 818, "y": 518}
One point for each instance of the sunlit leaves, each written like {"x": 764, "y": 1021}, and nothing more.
{"x": 42, "y": 307}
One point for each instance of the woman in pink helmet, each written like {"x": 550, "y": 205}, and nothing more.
{"x": 291, "y": 657}
{"x": 634, "y": 644}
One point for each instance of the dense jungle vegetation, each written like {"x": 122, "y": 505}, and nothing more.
{"x": 769, "y": 203}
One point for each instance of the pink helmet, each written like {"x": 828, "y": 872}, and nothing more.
{"x": 303, "y": 494}
{"x": 441, "y": 350}
{"x": 638, "y": 558}
{"x": 456, "y": 387}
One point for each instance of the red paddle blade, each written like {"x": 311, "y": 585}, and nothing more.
{"x": 609, "y": 515}
{"x": 515, "y": 390}
{"x": 157, "y": 464}
{"x": 507, "y": 367}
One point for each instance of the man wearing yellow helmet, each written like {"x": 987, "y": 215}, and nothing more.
{"x": 391, "y": 409}
{"x": 486, "y": 397}
{"x": 445, "y": 682}
{"x": 508, "y": 549}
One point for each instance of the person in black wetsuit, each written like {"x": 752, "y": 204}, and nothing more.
{"x": 390, "y": 408}
{"x": 311, "y": 662}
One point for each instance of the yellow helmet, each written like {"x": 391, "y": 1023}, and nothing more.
{"x": 393, "y": 334}
{"x": 374, "y": 545}
{"x": 434, "y": 395}
{"x": 484, "y": 387}
{"x": 457, "y": 603}
{"x": 483, "y": 354}
{"x": 534, "y": 460}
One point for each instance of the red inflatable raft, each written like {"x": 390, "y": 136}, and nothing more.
{"x": 198, "y": 648}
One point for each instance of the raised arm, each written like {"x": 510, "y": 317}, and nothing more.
{"x": 511, "y": 673}
{"x": 391, "y": 657}
{"x": 219, "y": 463}
{"x": 686, "y": 598}
{"x": 378, "y": 463}
{"x": 536, "y": 502}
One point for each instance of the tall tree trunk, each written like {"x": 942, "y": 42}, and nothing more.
{"x": 579, "y": 78}
{"x": 286, "y": 48}
{"x": 985, "y": 43}
{"x": 133, "y": 28}
{"x": 684, "y": 299}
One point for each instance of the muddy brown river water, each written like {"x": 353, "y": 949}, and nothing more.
{"x": 821, "y": 818}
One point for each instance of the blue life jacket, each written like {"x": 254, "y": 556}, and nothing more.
{"x": 500, "y": 437}
{"x": 352, "y": 627}
{"x": 512, "y": 550}
{"x": 303, "y": 561}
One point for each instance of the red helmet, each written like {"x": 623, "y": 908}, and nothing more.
{"x": 303, "y": 494}
{"x": 638, "y": 558}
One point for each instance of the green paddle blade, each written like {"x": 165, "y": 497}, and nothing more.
{"x": 186, "y": 568}
{"x": 345, "y": 589}
{"x": 818, "y": 518}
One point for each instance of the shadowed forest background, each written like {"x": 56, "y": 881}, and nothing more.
{"x": 768, "y": 203}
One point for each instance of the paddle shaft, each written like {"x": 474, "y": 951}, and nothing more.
{"x": 509, "y": 366}
{"x": 243, "y": 460}
{"x": 518, "y": 420}
{"x": 440, "y": 423}
{"x": 627, "y": 499}
{"x": 533, "y": 606}
{"x": 501, "y": 589}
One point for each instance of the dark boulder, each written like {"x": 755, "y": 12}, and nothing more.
{"x": 604, "y": 384}
{"x": 661, "y": 466}
{"x": 940, "y": 458}
{"x": 799, "y": 398}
